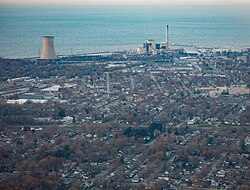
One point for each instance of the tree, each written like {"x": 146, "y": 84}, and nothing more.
{"x": 159, "y": 144}
{"x": 50, "y": 163}
{"x": 3, "y": 153}
{"x": 61, "y": 113}
{"x": 128, "y": 131}
{"x": 194, "y": 178}
{"x": 155, "y": 126}
{"x": 208, "y": 154}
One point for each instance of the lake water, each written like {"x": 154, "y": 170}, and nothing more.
{"x": 95, "y": 29}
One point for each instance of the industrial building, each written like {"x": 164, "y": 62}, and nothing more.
{"x": 150, "y": 46}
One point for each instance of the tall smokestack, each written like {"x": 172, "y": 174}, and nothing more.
{"x": 167, "y": 36}
{"x": 48, "y": 51}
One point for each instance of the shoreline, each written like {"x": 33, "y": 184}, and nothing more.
{"x": 132, "y": 49}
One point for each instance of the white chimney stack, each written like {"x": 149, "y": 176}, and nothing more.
{"x": 167, "y": 36}
{"x": 48, "y": 51}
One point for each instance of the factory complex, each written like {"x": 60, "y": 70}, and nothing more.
{"x": 152, "y": 47}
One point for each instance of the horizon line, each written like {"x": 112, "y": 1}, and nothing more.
{"x": 128, "y": 3}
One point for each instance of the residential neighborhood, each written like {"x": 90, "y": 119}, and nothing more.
{"x": 119, "y": 120}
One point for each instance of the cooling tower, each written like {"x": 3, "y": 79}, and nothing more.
{"x": 48, "y": 51}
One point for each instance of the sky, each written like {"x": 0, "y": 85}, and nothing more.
{"x": 125, "y": 2}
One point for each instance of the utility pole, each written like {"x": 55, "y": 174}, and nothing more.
{"x": 132, "y": 83}
{"x": 108, "y": 85}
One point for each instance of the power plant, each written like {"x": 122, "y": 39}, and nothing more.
{"x": 48, "y": 51}
{"x": 153, "y": 47}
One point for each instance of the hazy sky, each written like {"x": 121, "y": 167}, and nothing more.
{"x": 125, "y": 2}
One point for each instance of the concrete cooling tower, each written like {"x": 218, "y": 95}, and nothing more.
{"x": 48, "y": 51}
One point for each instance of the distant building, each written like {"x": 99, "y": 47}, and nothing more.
{"x": 23, "y": 101}
{"x": 18, "y": 79}
{"x": 54, "y": 88}
{"x": 213, "y": 91}
{"x": 236, "y": 90}
{"x": 150, "y": 46}
{"x": 242, "y": 58}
